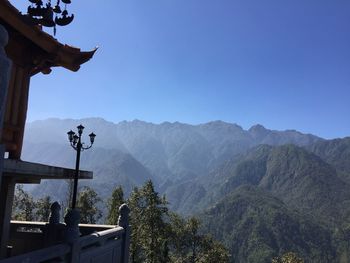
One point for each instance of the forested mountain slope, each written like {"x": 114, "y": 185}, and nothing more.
{"x": 335, "y": 152}
{"x": 256, "y": 226}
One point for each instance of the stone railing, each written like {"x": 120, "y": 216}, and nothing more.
{"x": 26, "y": 237}
{"x": 57, "y": 253}
{"x": 36, "y": 242}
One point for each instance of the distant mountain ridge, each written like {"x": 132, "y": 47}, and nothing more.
{"x": 262, "y": 192}
{"x": 166, "y": 148}
{"x": 168, "y": 153}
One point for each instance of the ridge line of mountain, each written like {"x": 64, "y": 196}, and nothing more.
{"x": 253, "y": 128}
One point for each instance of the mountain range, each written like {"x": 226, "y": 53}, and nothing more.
{"x": 262, "y": 192}
{"x": 170, "y": 151}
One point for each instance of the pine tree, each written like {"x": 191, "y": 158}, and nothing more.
{"x": 288, "y": 257}
{"x": 194, "y": 239}
{"x": 212, "y": 251}
{"x": 148, "y": 215}
{"x": 23, "y": 205}
{"x": 43, "y": 209}
{"x": 87, "y": 203}
{"x": 178, "y": 238}
{"x": 116, "y": 200}
{"x": 189, "y": 245}
{"x": 135, "y": 216}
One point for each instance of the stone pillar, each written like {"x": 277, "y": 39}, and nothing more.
{"x": 72, "y": 233}
{"x": 5, "y": 68}
{"x": 123, "y": 221}
{"x": 72, "y": 219}
{"x": 54, "y": 217}
{"x": 54, "y": 232}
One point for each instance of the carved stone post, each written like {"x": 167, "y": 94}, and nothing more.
{"x": 54, "y": 229}
{"x": 72, "y": 219}
{"x": 123, "y": 221}
{"x": 54, "y": 217}
{"x": 71, "y": 233}
{"x": 5, "y": 67}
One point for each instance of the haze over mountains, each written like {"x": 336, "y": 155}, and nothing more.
{"x": 165, "y": 148}
{"x": 261, "y": 192}
{"x": 168, "y": 153}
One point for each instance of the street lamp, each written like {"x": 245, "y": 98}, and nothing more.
{"x": 75, "y": 142}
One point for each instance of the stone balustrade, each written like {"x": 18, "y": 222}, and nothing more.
{"x": 37, "y": 242}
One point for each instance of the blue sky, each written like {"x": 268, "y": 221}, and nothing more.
{"x": 282, "y": 63}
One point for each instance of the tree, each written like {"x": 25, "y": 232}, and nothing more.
{"x": 160, "y": 236}
{"x": 23, "y": 205}
{"x": 191, "y": 246}
{"x": 288, "y": 257}
{"x": 135, "y": 217}
{"x": 43, "y": 209}
{"x": 178, "y": 238}
{"x": 113, "y": 204}
{"x": 87, "y": 203}
{"x": 212, "y": 251}
{"x": 194, "y": 239}
{"x": 149, "y": 235}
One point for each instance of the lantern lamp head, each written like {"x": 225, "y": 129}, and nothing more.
{"x": 75, "y": 139}
{"x": 70, "y": 135}
{"x": 80, "y": 129}
{"x": 92, "y": 137}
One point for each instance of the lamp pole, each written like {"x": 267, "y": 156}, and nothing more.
{"x": 78, "y": 146}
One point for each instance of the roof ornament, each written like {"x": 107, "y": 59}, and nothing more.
{"x": 43, "y": 14}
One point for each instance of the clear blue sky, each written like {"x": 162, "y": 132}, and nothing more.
{"x": 282, "y": 63}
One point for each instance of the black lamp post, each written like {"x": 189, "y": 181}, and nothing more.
{"x": 75, "y": 142}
